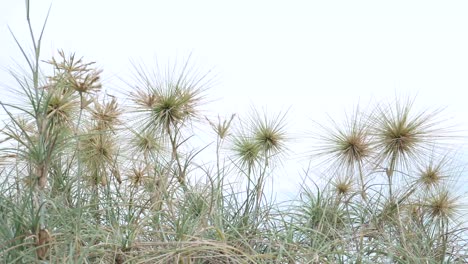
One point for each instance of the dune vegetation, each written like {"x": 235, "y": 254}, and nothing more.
{"x": 91, "y": 177}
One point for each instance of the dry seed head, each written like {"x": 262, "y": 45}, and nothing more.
{"x": 146, "y": 142}
{"x": 353, "y": 147}
{"x": 139, "y": 174}
{"x": 97, "y": 146}
{"x": 430, "y": 176}
{"x": 167, "y": 100}
{"x": 97, "y": 151}
{"x": 343, "y": 186}
{"x": 345, "y": 147}
{"x": 87, "y": 83}
{"x": 221, "y": 128}
{"x": 174, "y": 106}
{"x": 145, "y": 100}
{"x": 434, "y": 172}
{"x": 75, "y": 74}
{"x": 106, "y": 114}
{"x": 137, "y": 177}
{"x": 29, "y": 181}
{"x": 62, "y": 107}
{"x": 441, "y": 204}
{"x": 389, "y": 210}
{"x": 413, "y": 211}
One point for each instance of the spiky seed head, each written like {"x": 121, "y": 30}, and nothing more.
{"x": 441, "y": 204}
{"x": 343, "y": 186}
{"x": 146, "y": 142}
{"x": 174, "y": 106}
{"x": 247, "y": 151}
{"x": 269, "y": 139}
{"x": 97, "y": 151}
{"x": 146, "y": 100}
{"x": 168, "y": 101}
{"x": 434, "y": 172}
{"x": 400, "y": 135}
{"x": 413, "y": 211}
{"x": 221, "y": 128}
{"x": 87, "y": 83}
{"x": 62, "y": 107}
{"x": 75, "y": 74}
{"x": 106, "y": 114}
{"x": 430, "y": 176}
{"x": 138, "y": 175}
{"x": 344, "y": 148}
{"x": 268, "y": 132}
{"x": 353, "y": 147}
{"x": 97, "y": 146}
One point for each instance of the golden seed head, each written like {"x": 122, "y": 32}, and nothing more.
{"x": 343, "y": 186}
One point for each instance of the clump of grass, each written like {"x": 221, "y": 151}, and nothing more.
{"x": 406, "y": 148}
{"x": 85, "y": 178}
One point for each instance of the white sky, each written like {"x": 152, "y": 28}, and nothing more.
{"x": 316, "y": 56}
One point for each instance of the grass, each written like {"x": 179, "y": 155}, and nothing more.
{"x": 88, "y": 177}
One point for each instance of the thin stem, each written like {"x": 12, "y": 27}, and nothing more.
{"x": 175, "y": 156}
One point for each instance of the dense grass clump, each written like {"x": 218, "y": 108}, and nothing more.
{"x": 88, "y": 177}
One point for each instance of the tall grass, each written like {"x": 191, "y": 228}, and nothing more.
{"x": 88, "y": 177}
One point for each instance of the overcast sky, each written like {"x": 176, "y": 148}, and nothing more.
{"x": 316, "y": 57}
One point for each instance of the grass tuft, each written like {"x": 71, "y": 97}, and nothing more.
{"x": 85, "y": 178}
